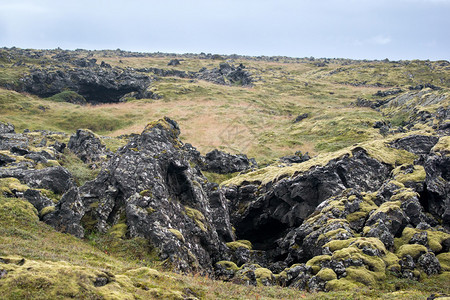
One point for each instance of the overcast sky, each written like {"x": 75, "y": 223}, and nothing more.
{"x": 372, "y": 29}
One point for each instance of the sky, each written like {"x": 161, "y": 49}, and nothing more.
{"x": 357, "y": 29}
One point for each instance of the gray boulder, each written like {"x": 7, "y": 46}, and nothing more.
{"x": 87, "y": 146}
{"x": 224, "y": 163}
{"x": 6, "y": 128}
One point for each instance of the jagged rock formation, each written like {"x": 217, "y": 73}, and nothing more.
{"x": 77, "y": 79}
{"x": 341, "y": 223}
{"x": 105, "y": 84}
{"x": 95, "y": 84}
{"x": 6, "y": 128}
{"x": 87, "y": 146}
{"x": 151, "y": 184}
{"x": 226, "y": 74}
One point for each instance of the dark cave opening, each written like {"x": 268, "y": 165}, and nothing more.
{"x": 263, "y": 235}
{"x": 424, "y": 199}
{"x": 179, "y": 184}
{"x": 98, "y": 94}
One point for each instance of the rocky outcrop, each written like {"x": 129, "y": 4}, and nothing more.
{"x": 87, "y": 146}
{"x": 96, "y": 85}
{"x": 297, "y": 158}
{"x": 263, "y": 214}
{"x": 300, "y": 118}
{"x": 174, "y": 62}
{"x": 67, "y": 214}
{"x": 436, "y": 197}
{"x": 390, "y": 92}
{"x": 151, "y": 184}
{"x": 342, "y": 219}
{"x": 6, "y": 128}
{"x": 226, "y": 74}
{"x": 417, "y": 144}
{"x": 57, "y": 179}
{"x": 10, "y": 139}
{"x": 224, "y": 163}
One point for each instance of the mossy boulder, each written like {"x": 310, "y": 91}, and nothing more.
{"x": 414, "y": 250}
{"x": 326, "y": 274}
{"x": 238, "y": 244}
{"x": 444, "y": 260}
{"x": 343, "y": 284}
{"x": 264, "y": 277}
{"x": 10, "y": 186}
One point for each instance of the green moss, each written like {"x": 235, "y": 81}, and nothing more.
{"x": 80, "y": 171}
{"x": 444, "y": 260}
{"x": 146, "y": 193}
{"x": 390, "y": 259}
{"x": 48, "y": 280}
{"x": 17, "y": 211}
{"x": 418, "y": 175}
{"x": 8, "y": 184}
{"x": 407, "y": 234}
{"x": 218, "y": 178}
{"x": 380, "y": 151}
{"x": 46, "y": 210}
{"x": 395, "y": 268}
{"x": 316, "y": 262}
{"x": 178, "y": 234}
{"x": 196, "y": 216}
{"x": 61, "y": 280}
{"x": 229, "y": 265}
{"x": 150, "y": 210}
{"x": 68, "y": 96}
{"x": 361, "y": 275}
{"x": 143, "y": 273}
{"x": 405, "y": 194}
{"x": 338, "y": 244}
{"x": 119, "y": 230}
{"x": 50, "y": 163}
{"x": 435, "y": 240}
{"x": 113, "y": 144}
{"x": 272, "y": 173}
{"x": 342, "y": 284}
{"x": 240, "y": 243}
{"x": 332, "y": 233}
{"x": 376, "y": 264}
{"x": 356, "y": 216}
{"x": 388, "y": 206}
{"x": 443, "y": 145}
{"x": 415, "y": 250}
{"x": 50, "y": 194}
{"x": 370, "y": 242}
{"x": 326, "y": 274}
{"x": 263, "y": 275}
